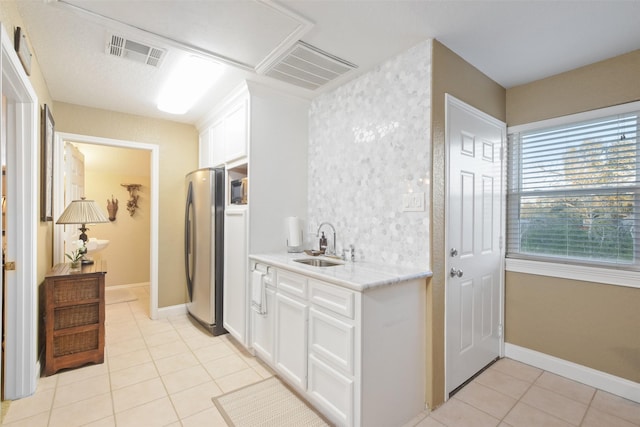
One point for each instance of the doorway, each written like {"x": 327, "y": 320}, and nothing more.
{"x": 153, "y": 155}
{"x": 474, "y": 210}
{"x": 20, "y": 154}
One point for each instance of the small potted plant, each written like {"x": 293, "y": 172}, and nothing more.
{"x": 76, "y": 258}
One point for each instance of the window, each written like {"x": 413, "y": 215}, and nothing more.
{"x": 573, "y": 192}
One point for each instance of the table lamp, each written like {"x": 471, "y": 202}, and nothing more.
{"x": 82, "y": 212}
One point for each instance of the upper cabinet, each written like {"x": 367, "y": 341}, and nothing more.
{"x": 236, "y": 131}
{"x": 225, "y": 138}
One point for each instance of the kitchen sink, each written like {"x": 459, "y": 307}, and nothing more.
{"x": 318, "y": 262}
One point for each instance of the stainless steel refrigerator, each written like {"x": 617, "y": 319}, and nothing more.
{"x": 203, "y": 244}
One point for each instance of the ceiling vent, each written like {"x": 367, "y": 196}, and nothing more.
{"x": 308, "y": 67}
{"x": 135, "y": 51}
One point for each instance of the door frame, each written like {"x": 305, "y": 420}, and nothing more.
{"x": 58, "y": 203}
{"x": 450, "y": 100}
{"x": 20, "y": 357}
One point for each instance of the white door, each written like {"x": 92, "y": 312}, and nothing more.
{"x": 473, "y": 236}
{"x": 73, "y": 190}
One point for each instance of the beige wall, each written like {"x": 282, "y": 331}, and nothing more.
{"x": 178, "y": 147}
{"x": 586, "y": 323}
{"x": 603, "y": 84}
{"x": 10, "y": 19}
{"x": 591, "y": 324}
{"x": 450, "y": 74}
{"x": 128, "y": 253}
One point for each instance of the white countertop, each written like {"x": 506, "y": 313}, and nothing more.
{"x": 358, "y": 276}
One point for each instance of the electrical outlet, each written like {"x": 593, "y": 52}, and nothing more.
{"x": 413, "y": 202}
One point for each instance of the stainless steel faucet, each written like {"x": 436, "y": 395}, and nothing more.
{"x": 332, "y": 251}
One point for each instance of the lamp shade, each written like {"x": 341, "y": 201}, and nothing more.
{"x": 82, "y": 212}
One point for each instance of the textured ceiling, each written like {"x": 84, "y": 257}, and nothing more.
{"x": 513, "y": 42}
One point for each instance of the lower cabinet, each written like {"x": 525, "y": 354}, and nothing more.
{"x": 331, "y": 390}
{"x": 291, "y": 339}
{"x": 358, "y": 357}
{"x": 262, "y": 328}
{"x": 234, "y": 295}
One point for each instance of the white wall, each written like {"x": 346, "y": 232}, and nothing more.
{"x": 369, "y": 143}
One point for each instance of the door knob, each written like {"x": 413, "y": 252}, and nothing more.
{"x": 455, "y": 272}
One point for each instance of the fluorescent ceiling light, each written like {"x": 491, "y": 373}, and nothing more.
{"x": 191, "y": 78}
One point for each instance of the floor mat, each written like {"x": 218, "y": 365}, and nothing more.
{"x": 267, "y": 403}
{"x": 114, "y": 296}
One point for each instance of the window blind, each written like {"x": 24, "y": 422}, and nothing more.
{"x": 573, "y": 192}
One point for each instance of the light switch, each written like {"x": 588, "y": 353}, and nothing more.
{"x": 413, "y": 202}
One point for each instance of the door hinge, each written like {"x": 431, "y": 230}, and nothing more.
{"x": 9, "y": 266}
{"x": 500, "y": 330}
{"x": 501, "y": 242}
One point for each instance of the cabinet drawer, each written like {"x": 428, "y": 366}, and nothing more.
{"x": 76, "y": 342}
{"x": 331, "y": 339}
{"x": 331, "y": 390}
{"x": 292, "y": 283}
{"x": 71, "y": 290}
{"x": 334, "y": 298}
{"x": 76, "y": 315}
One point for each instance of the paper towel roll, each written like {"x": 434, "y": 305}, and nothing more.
{"x": 294, "y": 231}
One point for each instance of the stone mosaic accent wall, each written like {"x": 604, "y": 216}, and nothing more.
{"x": 369, "y": 144}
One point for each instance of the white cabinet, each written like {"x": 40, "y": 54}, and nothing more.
{"x": 205, "y": 149}
{"x": 262, "y": 328}
{"x": 332, "y": 339}
{"x": 358, "y": 357}
{"x": 234, "y": 295}
{"x": 211, "y": 146}
{"x": 226, "y": 139}
{"x": 291, "y": 339}
{"x": 236, "y": 131}
{"x": 332, "y": 346}
{"x": 260, "y": 134}
{"x": 291, "y": 327}
{"x": 217, "y": 143}
{"x": 332, "y": 391}
{"x": 262, "y": 324}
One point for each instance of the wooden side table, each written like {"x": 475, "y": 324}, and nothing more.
{"x": 74, "y": 312}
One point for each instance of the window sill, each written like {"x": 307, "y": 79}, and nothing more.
{"x": 608, "y": 276}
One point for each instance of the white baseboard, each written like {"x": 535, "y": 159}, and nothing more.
{"x": 594, "y": 378}
{"x": 127, "y": 286}
{"x": 172, "y": 310}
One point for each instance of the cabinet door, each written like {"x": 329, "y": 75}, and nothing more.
{"x": 332, "y": 339}
{"x": 236, "y": 132}
{"x": 291, "y": 339}
{"x": 205, "y": 149}
{"x": 234, "y": 311}
{"x": 217, "y": 143}
{"x": 262, "y": 328}
{"x": 332, "y": 391}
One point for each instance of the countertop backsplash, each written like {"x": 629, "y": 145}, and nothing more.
{"x": 369, "y": 144}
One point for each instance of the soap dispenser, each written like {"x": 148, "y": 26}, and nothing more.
{"x": 323, "y": 243}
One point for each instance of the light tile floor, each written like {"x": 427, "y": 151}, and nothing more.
{"x": 165, "y": 372}
{"x": 156, "y": 373}
{"x": 510, "y": 393}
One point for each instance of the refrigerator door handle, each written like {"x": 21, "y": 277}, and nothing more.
{"x": 188, "y": 262}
